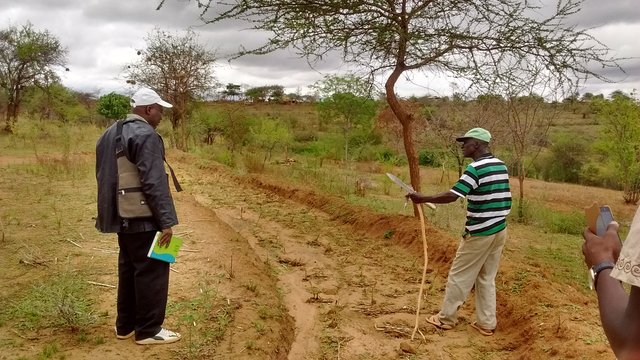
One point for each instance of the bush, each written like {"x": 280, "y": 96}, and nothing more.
{"x": 387, "y": 156}
{"x": 225, "y": 157}
{"x": 564, "y": 160}
{"x": 326, "y": 147}
{"x": 433, "y": 158}
{"x": 549, "y": 220}
{"x": 205, "y": 125}
{"x": 305, "y": 136}
{"x": 113, "y": 106}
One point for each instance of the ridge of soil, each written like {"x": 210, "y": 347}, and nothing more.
{"x": 309, "y": 276}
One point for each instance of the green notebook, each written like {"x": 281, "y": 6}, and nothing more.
{"x": 166, "y": 254}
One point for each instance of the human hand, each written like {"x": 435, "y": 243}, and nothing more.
{"x": 413, "y": 196}
{"x": 598, "y": 249}
{"x": 165, "y": 238}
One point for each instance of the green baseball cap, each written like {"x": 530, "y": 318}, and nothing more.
{"x": 476, "y": 133}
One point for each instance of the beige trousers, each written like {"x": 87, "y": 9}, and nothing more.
{"x": 476, "y": 263}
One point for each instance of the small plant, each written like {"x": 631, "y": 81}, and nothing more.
{"x": 225, "y": 157}
{"x": 290, "y": 262}
{"x": 266, "y": 312}
{"x": 48, "y": 351}
{"x": 388, "y": 234}
{"x": 253, "y": 163}
{"x": 520, "y": 282}
{"x": 260, "y": 327}
{"x": 204, "y": 318}
{"x": 250, "y": 344}
{"x": 251, "y": 286}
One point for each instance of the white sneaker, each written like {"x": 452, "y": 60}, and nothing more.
{"x": 123, "y": 337}
{"x": 164, "y": 336}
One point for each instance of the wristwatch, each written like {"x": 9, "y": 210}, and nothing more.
{"x": 595, "y": 271}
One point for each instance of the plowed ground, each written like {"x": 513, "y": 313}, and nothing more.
{"x": 273, "y": 271}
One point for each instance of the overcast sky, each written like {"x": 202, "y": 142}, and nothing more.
{"x": 101, "y": 36}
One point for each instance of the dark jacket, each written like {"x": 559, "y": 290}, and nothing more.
{"x": 143, "y": 147}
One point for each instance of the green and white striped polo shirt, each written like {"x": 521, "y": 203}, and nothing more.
{"x": 485, "y": 184}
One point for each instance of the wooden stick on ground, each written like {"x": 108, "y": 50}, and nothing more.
{"x": 2, "y": 229}
{"x": 74, "y": 243}
{"x": 424, "y": 269}
{"x": 101, "y": 284}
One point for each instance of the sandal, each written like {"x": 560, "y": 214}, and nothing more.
{"x": 483, "y": 331}
{"x": 435, "y": 321}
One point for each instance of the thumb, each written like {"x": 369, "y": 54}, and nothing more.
{"x": 613, "y": 226}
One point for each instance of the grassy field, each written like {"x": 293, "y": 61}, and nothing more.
{"x": 58, "y": 269}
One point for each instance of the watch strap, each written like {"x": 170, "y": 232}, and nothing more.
{"x": 597, "y": 268}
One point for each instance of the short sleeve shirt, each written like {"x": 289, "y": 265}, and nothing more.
{"x": 485, "y": 184}
{"x": 628, "y": 266}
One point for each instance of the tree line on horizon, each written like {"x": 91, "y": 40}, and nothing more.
{"x": 520, "y": 92}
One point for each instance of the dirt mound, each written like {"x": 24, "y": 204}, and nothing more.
{"x": 401, "y": 229}
{"x": 529, "y": 327}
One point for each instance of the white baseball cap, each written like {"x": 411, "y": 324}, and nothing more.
{"x": 146, "y": 96}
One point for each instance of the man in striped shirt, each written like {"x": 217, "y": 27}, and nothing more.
{"x": 485, "y": 184}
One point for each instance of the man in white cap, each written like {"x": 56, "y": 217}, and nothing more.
{"x": 143, "y": 283}
{"x": 485, "y": 184}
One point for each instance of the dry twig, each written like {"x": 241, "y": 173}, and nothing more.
{"x": 101, "y": 284}
{"x": 105, "y": 250}
{"x": 74, "y": 243}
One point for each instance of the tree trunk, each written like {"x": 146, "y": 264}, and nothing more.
{"x": 521, "y": 190}
{"x": 11, "y": 115}
{"x": 405, "y": 119}
{"x": 346, "y": 146}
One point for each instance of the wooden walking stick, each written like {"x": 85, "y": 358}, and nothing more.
{"x": 409, "y": 189}
{"x": 425, "y": 247}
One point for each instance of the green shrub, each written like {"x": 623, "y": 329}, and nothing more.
{"x": 225, "y": 157}
{"x": 564, "y": 159}
{"x": 433, "y": 158}
{"x": 305, "y": 136}
{"x": 548, "y": 220}
{"x": 572, "y": 223}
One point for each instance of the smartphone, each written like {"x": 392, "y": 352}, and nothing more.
{"x": 604, "y": 218}
{"x": 598, "y": 218}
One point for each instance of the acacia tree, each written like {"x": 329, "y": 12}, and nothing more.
{"x": 345, "y": 100}
{"x": 54, "y": 101}
{"x": 232, "y": 91}
{"x": 620, "y": 138}
{"x": 481, "y": 41}
{"x": 269, "y": 134}
{"x": 527, "y": 119}
{"x": 180, "y": 68}
{"x": 265, "y": 93}
{"x": 27, "y": 57}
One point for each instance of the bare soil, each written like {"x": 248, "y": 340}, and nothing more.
{"x": 309, "y": 276}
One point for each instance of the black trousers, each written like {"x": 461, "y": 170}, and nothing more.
{"x": 143, "y": 286}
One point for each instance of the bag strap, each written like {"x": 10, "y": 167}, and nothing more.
{"x": 176, "y": 184}
{"x": 120, "y": 150}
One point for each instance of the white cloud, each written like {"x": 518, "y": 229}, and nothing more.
{"x": 102, "y": 37}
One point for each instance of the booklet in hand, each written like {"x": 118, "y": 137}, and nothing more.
{"x": 166, "y": 254}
